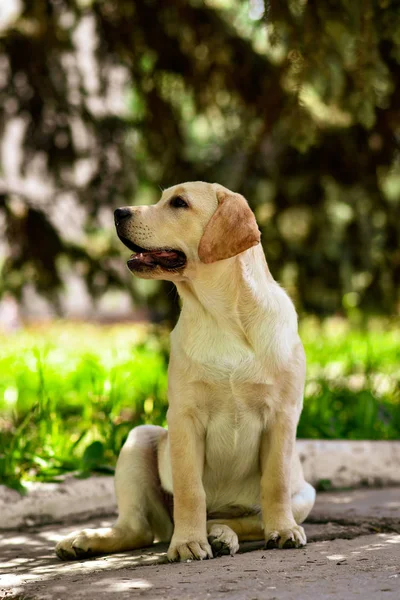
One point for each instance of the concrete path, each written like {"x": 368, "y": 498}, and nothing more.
{"x": 353, "y": 552}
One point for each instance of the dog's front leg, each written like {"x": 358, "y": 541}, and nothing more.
{"x": 186, "y": 439}
{"x": 277, "y": 446}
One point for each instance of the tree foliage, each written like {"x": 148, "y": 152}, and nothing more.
{"x": 103, "y": 101}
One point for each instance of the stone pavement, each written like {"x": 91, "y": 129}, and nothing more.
{"x": 353, "y": 552}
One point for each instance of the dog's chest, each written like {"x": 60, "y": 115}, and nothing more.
{"x": 221, "y": 357}
{"x": 232, "y": 450}
{"x": 233, "y": 434}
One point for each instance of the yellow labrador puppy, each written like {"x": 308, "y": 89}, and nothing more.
{"x": 236, "y": 379}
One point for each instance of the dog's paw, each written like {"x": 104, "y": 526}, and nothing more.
{"x": 180, "y": 550}
{"x": 76, "y": 545}
{"x": 223, "y": 540}
{"x": 294, "y": 537}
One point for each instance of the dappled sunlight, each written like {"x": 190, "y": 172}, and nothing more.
{"x": 387, "y": 538}
{"x": 11, "y": 581}
{"x": 374, "y": 546}
{"x": 20, "y": 540}
{"x": 31, "y": 559}
{"x": 391, "y": 539}
{"x": 142, "y": 571}
{"x": 28, "y": 562}
{"x": 340, "y": 500}
{"x": 123, "y": 586}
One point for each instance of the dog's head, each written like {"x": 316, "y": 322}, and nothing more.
{"x": 192, "y": 224}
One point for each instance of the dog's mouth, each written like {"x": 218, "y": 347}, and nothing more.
{"x": 166, "y": 258}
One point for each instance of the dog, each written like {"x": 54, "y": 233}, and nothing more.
{"x": 228, "y": 463}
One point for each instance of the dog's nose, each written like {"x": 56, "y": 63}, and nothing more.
{"x": 121, "y": 213}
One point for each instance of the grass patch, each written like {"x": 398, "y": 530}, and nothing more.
{"x": 353, "y": 380}
{"x": 69, "y": 394}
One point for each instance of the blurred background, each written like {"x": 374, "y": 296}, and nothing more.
{"x": 295, "y": 104}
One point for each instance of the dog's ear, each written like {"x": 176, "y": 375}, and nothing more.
{"x": 232, "y": 228}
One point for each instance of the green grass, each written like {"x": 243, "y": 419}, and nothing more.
{"x": 70, "y": 393}
{"x": 353, "y": 381}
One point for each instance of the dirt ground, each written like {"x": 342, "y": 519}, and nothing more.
{"x": 353, "y": 552}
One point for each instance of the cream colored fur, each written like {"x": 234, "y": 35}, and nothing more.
{"x": 236, "y": 379}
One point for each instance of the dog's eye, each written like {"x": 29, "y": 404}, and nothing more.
{"x": 178, "y": 202}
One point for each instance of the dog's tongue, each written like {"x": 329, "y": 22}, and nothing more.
{"x": 150, "y": 258}
{"x": 165, "y": 254}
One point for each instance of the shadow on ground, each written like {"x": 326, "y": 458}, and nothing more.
{"x": 354, "y": 548}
